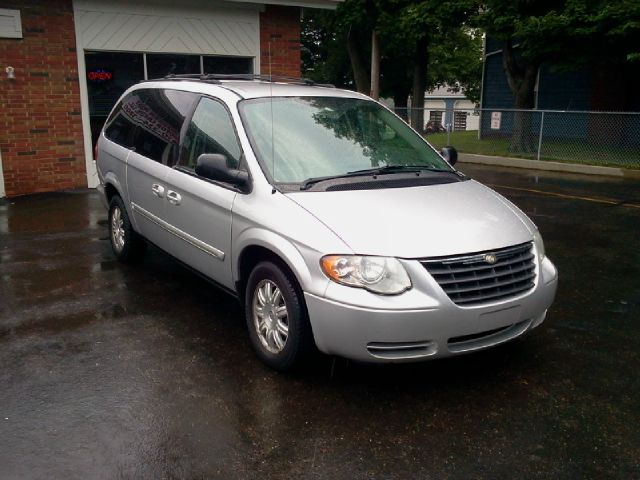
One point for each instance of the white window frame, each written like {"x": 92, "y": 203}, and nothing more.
{"x": 13, "y": 27}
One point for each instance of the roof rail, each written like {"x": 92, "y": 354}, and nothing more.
{"x": 217, "y": 77}
{"x": 187, "y": 76}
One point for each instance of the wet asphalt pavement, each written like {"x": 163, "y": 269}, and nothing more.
{"x": 116, "y": 371}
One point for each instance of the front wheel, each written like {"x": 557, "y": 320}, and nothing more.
{"x": 277, "y": 321}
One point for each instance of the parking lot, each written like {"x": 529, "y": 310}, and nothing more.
{"x": 118, "y": 371}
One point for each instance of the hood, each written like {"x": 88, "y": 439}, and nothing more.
{"x": 415, "y": 222}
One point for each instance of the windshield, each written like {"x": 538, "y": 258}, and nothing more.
{"x": 328, "y": 136}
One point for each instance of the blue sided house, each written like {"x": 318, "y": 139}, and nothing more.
{"x": 571, "y": 95}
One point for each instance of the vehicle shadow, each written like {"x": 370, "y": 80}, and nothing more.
{"x": 211, "y": 314}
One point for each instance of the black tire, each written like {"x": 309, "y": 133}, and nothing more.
{"x": 131, "y": 248}
{"x": 299, "y": 340}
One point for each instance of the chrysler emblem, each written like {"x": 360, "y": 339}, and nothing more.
{"x": 490, "y": 258}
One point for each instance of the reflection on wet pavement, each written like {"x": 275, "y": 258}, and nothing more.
{"x": 117, "y": 371}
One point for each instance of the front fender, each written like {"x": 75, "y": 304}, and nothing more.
{"x": 296, "y": 257}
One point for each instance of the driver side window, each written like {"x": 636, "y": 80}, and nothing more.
{"x": 210, "y": 131}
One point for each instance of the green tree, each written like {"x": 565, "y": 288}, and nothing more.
{"x": 423, "y": 44}
{"x": 564, "y": 33}
{"x": 324, "y": 56}
{"x": 415, "y": 27}
{"x": 333, "y": 40}
{"x": 531, "y": 32}
{"x": 456, "y": 61}
{"x": 618, "y": 22}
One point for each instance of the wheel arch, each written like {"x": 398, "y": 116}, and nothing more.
{"x": 110, "y": 191}
{"x": 261, "y": 246}
{"x": 112, "y": 187}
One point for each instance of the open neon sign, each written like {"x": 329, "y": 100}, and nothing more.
{"x": 99, "y": 75}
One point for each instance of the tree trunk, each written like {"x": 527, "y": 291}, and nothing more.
{"x": 358, "y": 66}
{"x": 400, "y": 104}
{"x": 419, "y": 84}
{"x": 521, "y": 77}
{"x": 525, "y": 132}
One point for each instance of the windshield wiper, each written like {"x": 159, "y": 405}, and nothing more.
{"x": 401, "y": 168}
{"x": 374, "y": 171}
{"x": 313, "y": 180}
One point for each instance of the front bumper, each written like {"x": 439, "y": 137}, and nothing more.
{"x": 442, "y": 329}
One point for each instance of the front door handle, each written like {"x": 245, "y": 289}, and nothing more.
{"x": 158, "y": 190}
{"x": 174, "y": 197}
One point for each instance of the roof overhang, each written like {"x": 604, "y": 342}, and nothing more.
{"x": 326, "y": 4}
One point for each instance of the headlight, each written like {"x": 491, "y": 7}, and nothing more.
{"x": 537, "y": 240}
{"x": 383, "y": 275}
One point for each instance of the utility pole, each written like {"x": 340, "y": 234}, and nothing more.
{"x": 375, "y": 66}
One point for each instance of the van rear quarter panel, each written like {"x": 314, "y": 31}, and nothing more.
{"x": 112, "y": 167}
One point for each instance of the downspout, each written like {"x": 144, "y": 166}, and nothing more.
{"x": 484, "y": 67}
{"x": 2, "y": 192}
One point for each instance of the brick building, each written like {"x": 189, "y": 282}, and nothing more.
{"x": 64, "y": 63}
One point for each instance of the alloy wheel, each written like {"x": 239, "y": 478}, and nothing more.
{"x": 117, "y": 229}
{"x": 270, "y": 317}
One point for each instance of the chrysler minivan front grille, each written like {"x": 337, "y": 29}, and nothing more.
{"x": 477, "y": 278}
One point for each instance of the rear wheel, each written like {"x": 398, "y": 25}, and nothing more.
{"x": 276, "y": 317}
{"x": 127, "y": 245}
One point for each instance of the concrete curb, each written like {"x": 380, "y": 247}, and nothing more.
{"x": 550, "y": 166}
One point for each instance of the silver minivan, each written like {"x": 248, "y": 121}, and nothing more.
{"x": 335, "y": 224}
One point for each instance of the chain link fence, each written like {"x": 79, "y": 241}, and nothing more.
{"x": 593, "y": 138}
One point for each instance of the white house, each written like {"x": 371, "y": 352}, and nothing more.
{"x": 448, "y": 108}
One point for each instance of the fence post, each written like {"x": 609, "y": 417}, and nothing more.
{"x": 540, "y": 137}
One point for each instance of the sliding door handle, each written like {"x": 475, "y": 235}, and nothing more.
{"x": 158, "y": 190}
{"x": 174, "y": 197}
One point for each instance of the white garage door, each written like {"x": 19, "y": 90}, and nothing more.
{"x": 204, "y": 27}
{"x": 197, "y": 34}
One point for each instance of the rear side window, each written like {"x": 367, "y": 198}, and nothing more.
{"x": 149, "y": 121}
{"x": 210, "y": 131}
{"x": 119, "y": 127}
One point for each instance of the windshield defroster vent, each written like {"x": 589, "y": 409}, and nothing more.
{"x": 413, "y": 181}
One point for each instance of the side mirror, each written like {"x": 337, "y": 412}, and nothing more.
{"x": 214, "y": 167}
{"x": 450, "y": 154}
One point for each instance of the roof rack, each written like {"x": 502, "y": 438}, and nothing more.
{"x": 217, "y": 77}
{"x": 186, "y": 76}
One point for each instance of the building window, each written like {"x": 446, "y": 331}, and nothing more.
{"x": 10, "y": 23}
{"x": 109, "y": 74}
{"x": 227, "y": 65}
{"x": 436, "y": 116}
{"x": 460, "y": 121}
{"x": 161, "y": 64}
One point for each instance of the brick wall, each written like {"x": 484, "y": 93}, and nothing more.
{"x": 280, "y": 26}
{"x": 40, "y": 126}
{"x": 41, "y": 139}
